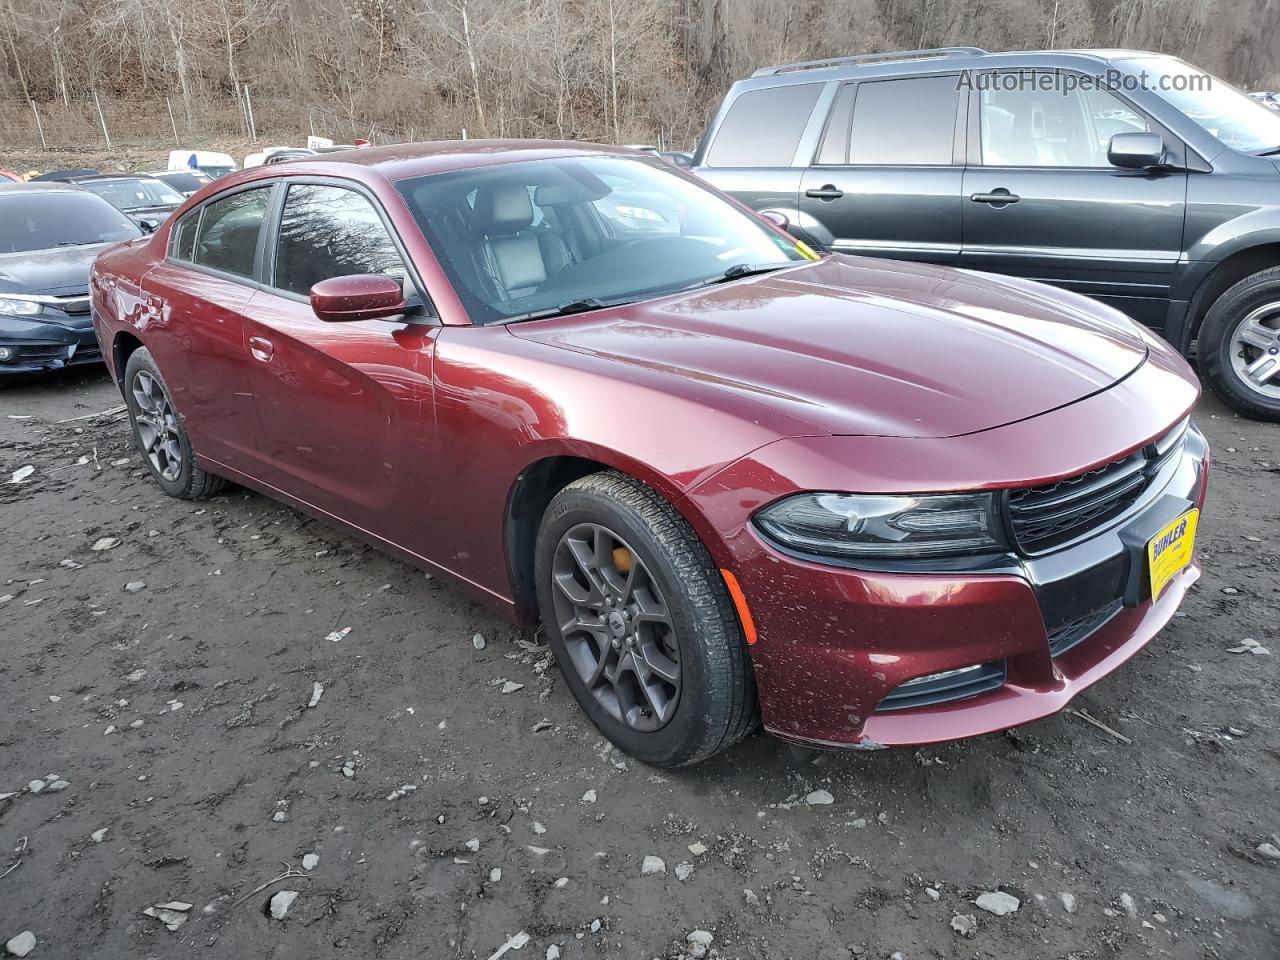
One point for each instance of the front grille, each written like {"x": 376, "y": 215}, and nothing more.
{"x": 1082, "y": 628}
{"x": 1046, "y": 517}
{"x": 73, "y": 306}
{"x": 945, "y": 687}
{"x": 86, "y": 353}
{"x": 38, "y": 352}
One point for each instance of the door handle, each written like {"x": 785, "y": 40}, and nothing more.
{"x": 998, "y": 197}
{"x": 261, "y": 348}
{"x": 828, "y": 192}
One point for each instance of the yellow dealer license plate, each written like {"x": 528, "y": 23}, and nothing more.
{"x": 1169, "y": 551}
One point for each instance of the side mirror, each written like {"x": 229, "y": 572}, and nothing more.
{"x": 363, "y": 296}
{"x": 148, "y": 224}
{"x": 776, "y": 218}
{"x": 1135, "y": 151}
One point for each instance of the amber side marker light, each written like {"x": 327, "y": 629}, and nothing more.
{"x": 740, "y": 601}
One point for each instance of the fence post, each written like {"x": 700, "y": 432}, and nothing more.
{"x": 248, "y": 110}
{"x": 102, "y": 119}
{"x": 39, "y": 125}
{"x": 173, "y": 123}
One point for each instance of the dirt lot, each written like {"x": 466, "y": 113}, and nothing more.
{"x": 447, "y": 816}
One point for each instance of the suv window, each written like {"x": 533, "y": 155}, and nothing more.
{"x": 905, "y": 122}
{"x": 1035, "y": 120}
{"x": 228, "y": 232}
{"x": 328, "y": 232}
{"x": 763, "y": 127}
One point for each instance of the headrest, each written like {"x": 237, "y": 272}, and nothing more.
{"x": 505, "y": 209}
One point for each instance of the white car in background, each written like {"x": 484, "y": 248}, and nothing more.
{"x": 206, "y": 161}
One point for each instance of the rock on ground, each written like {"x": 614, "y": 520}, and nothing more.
{"x": 998, "y": 902}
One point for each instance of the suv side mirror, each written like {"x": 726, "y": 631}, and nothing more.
{"x": 1136, "y": 151}
{"x": 362, "y": 296}
{"x": 775, "y": 217}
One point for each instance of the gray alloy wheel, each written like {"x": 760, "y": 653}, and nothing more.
{"x": 1255, "y": 350}
{"x": 1239, "y": 346}
{"x": 157, "y": 426}
{"x": 641, "y": 624}
{"x": 616, "y": 627}
{"x": 160, "y": 432}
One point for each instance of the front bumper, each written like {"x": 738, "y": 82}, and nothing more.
{"x": 835, "y": 643}
{"x": 39, "y": 345}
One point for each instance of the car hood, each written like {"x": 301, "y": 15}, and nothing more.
{"x": 854, "y": 346}
{"x": 60, "y": 271}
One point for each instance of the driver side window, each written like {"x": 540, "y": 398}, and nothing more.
{"x": 1039, "y": 120}
{"x": 328, "y": 231}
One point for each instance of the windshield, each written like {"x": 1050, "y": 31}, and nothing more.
{"x": 521, "y": 238}
{"x": 135, "y": 194}
{"x": 215, "y": 172}
{"x": 38, "y": 221}
{"x": 1238, "y": 121}
{"x": 188, "y": 182}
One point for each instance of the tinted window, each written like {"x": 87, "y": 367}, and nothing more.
{"x": 186, "y": 182}
{"x": 184, "y": 236}
{"x": 331, "y": 232}
{"x": 763, "y": 127}
{"x": 39, "y": 220}
{"x": 909, "y": 121}
{"x": 228, "y": 235}
{"x": 1036, "y": 120}
{"x": 835, "y": 142}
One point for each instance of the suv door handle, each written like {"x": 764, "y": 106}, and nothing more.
{"x": 828, "y": 192}
{"x": 261, "y": 348}
{"x": 999, "y": 196}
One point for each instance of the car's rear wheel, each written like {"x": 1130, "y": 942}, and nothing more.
{"x": 1240, "y": 346}
{"x": 160, "y": 434}
{"x": 641, "y": 624}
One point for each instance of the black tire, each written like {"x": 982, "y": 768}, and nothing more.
{"x": 188, "y": 481}
{"x": 1219, "y": 349}
{"x": 716, "y": 705}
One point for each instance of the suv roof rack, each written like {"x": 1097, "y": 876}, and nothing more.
{"x": 938, "y": 52}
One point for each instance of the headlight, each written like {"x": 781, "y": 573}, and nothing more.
{"x": 19, "y": 308}
{"x": 884, "y": 527}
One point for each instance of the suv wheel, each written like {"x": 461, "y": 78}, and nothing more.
{"x": 1240, "y": 346}
{"x": 641, "y": 624}
{"x": 159, "y": 432}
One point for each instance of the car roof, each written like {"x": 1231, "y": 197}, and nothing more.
{"x": 45, "y": 186}
{"x": 404, "y": 160}
{"x": 99, "y": 177}
{"x": 936, "y": 59}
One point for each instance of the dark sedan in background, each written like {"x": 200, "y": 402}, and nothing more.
{"x": 148, "y": 201}
{"x": 50, "y": 234}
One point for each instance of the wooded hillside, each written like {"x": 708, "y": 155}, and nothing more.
{"x": 615, "y": 70}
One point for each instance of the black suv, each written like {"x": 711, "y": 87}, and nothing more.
{"x": 1130, "y": 177}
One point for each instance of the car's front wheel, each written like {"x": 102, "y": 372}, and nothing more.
{"x": 641, "y": 623}
{"x": 1240, "y": 346}
{"x": 160, "y": 433}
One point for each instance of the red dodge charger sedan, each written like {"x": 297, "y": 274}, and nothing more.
{"x": 866, "y": 503}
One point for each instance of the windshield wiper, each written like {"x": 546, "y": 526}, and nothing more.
{"x": 565, "y": 309}
{"x": 1268, "y": 153}
{"x": 77, "y": 243}
{"x": 743, "y": 270}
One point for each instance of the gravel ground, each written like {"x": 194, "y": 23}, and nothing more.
{"x": 234, "y": 701}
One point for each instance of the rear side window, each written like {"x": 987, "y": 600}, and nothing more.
{"x": 227, "y": 239}
{"x": 763, "y": 127}
{"x": 905, "y": 122}
{"x": 331, "y": 232}
{"x": 184, "y": 236}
